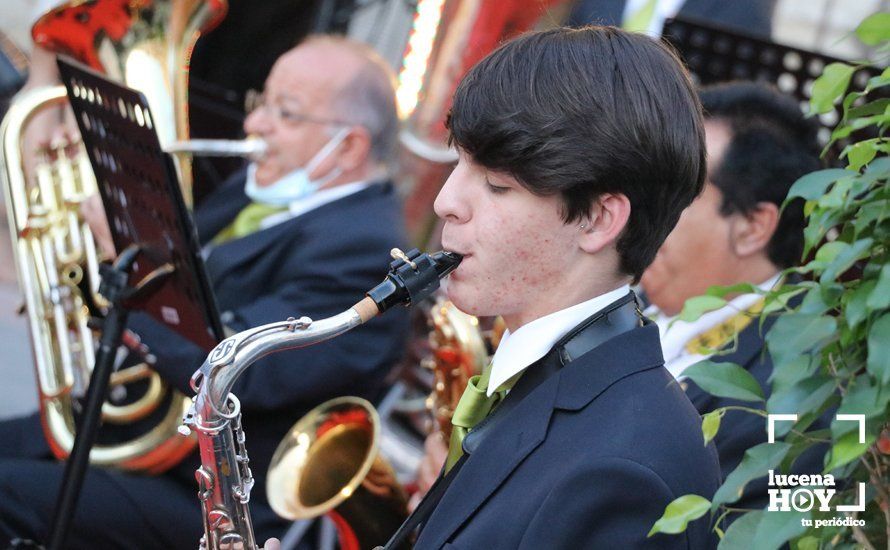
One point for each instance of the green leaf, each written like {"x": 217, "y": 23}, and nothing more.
{"x": 847, "y": 449}
{"x": 808, "y": 542}
{"x": 699, "y": 305}
{"x": 845, "y": 260}
{"x": 813, "y": 185}
{"x": 795, "y": 333}
{"x": 758, "y": 460}
{"x": 830, "y": 86}
{"x": 806, "y": 396}
{"x": 857, "y": 309}
{"x": 830, "y": 250}
{"x": 876, "y": 107}
{"x": 880, "y": 296}
{"x": 679, "y": 513}
{"x": 786, "y": 375}
{"x": 875, "y": 29}
{"x": 725, "y": 380}
{"x": 741, "y": 532}
{"x": 710, "y": 424}
{"x": 860, "y": 154}
{"x": 878, "y": 363}
{"x": 863, "y": 397}
{"x": 776, "y": 528}
{"x": 881, "y": 166}
{"x": 739, "y": 288}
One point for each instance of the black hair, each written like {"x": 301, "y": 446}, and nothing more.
{"x": 584, "y": 112}
{"x": 771, "y": 145}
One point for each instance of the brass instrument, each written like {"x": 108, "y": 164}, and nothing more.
{"x": 343, "y": 430}
{"x": 459, "y": 349}
{"x": 329, "y": 463}
{"x": 147, "y": 46}
{"x": 458, "y": 352}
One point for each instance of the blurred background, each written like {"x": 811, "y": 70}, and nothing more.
{"x": 430, "y": 43}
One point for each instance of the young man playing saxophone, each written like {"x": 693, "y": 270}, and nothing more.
{"x": 578, "y": 151}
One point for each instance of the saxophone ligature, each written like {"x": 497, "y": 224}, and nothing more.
{"x": 224, "y": 478}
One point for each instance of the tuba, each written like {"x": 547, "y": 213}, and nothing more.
{"x": 146, "y": 44}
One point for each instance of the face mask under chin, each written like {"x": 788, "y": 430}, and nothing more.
{"x": 296, "y": 184}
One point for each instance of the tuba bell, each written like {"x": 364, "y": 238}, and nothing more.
{"x": 146, "y": 44}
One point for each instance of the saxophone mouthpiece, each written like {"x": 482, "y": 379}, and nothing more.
{"x": 412, "y": 277}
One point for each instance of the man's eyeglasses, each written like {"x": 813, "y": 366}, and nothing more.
{"x": 256, "y": 102}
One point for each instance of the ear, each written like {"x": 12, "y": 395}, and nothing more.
{"x": 604, "y": 223}
{"x": 355, "y": 149}
{"x": 750, "y": 233}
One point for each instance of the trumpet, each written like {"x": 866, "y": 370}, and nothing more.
{"x": 224, "y": 477}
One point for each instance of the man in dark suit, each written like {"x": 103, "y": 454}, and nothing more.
{"x": 306, "y": 231}
{"x": 564, "y": 190}
{"x": 759, "y": 144}
{"x": 753, "y": 17}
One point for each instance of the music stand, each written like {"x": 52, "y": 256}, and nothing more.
{"x": 159, "y": 269}
{"x": 715, "y": 54}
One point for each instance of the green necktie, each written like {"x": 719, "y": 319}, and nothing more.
{"x": 639, "y": 20}
{"x": 473, "y": 407}
{"x": 247, "y": 221}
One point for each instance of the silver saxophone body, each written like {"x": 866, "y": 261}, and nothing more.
{"x": 224, "y": 477}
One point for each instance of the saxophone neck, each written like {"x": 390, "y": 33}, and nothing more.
{"x": 230, "y": 358}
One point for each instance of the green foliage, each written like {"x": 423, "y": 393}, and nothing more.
{"x": 679, "y": 513}
{"x": 725, "y": 380}
{"x": 831, "y": 349}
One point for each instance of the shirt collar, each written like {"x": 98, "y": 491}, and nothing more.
{"x": 313, "y": 201}
{"x": 675, "y": 334}
{"x": 533, "y": 340}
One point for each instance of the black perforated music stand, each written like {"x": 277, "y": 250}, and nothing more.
{"x": 715, "y": 54}
{"x": 143, "y": 201}
{"x": 158, "y": 269}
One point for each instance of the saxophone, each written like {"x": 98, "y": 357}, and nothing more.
{"x": 224, "y": 477}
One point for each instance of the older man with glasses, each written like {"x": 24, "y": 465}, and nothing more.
{"x": 304, "y": 231}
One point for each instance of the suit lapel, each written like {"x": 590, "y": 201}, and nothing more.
{"x": 519, "y": 432}
{"x": 487, "y": 468}
{"x": 230, "y": 255}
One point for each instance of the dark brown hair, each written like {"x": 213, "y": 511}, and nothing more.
{"x": 583, "y": 112}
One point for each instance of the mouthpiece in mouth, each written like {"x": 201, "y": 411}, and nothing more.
{"x": 413, "y": 277}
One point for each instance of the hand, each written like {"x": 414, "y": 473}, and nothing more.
{"x": 272, "y": 544}
{"x": 435, "y": 453}
{"x": 53, "y": 125}
{"x": 94, "y": 214}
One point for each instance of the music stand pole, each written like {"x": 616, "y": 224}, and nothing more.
{"x": 114, "y": 288}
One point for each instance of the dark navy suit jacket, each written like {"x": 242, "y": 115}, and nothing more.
{"x": 317, "y": 264}
{"x": 587, "y": 458}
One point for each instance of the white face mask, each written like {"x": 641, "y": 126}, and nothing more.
{"x": 296, "y": 184}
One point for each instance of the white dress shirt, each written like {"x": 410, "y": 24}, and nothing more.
{"x": 676, "y": 334}
{"x": 313, "y": 201}
{"x": 532, "y": 341}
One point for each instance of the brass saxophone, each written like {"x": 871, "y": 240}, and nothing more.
{"x": 224, "y": 478}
